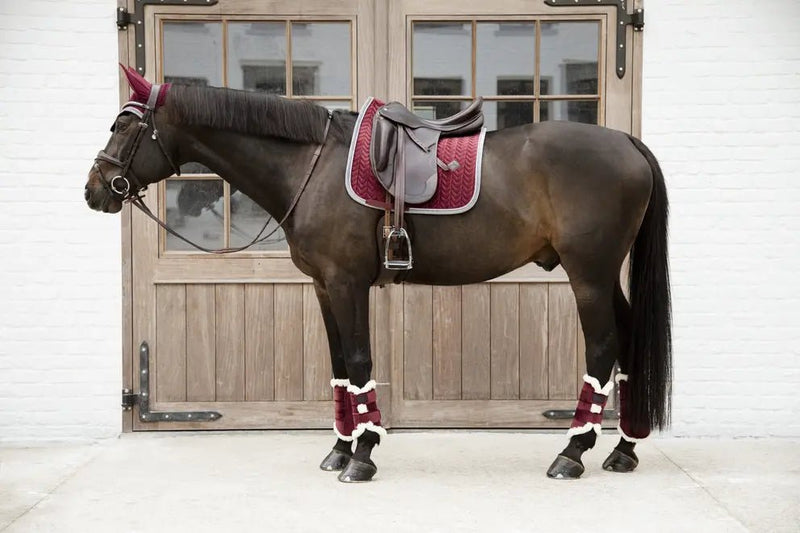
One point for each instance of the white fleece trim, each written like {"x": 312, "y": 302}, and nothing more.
{"x": 626, "y": 437}
{"x": 362, "y": 427}
{"x": 596, "y": 409}
{"x": 586, "y": 428}
{"x": 362, "y": 408}
{"x": 596, "y": 385}
{"x": 366, "y": 388}
{"x": 339, "y": 435}
{"x": 340, "y": 382}
{"x": 621, "y": 377}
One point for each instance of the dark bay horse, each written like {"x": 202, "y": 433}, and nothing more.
{"x": 553, "y": 193}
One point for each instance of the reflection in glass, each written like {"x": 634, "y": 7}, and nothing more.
{"x": 195, "y": 168}
{"x": 193, "y": 53}
{"x": 195, "y": 209}
{"x": 442, "y": 58}
{"x": 505, "y": 58}
{"x": 499, "y": 115}
{"x": 569, "y": 57}
{"x": 574, "y": 111}
{"x": 437, "y": 110}
{"x": 321, "y": 58}
{"x": 247, "y": 219}
{"x": 257, "y": 56}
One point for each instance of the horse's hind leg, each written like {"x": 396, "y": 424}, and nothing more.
{"x": 340, "y": 455}
{"x": 623, "y": 458}
{"x": 594, "y": 294}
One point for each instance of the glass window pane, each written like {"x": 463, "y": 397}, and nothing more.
{"x": 506, "y": 58}
{"x": 434, "y": 110}
{"x": 442, "y": 58}
{"x": 195, "y": 209}
{"x": 257, "y": 56}
{"x": 193, "y": 53}
{"x": 321, "y": 58}
{"x": 499, "y": 115}
{"x": 247, "y": 219}
{"x": 574, "y": 111}
{"x": 569, "y": 57}
{"x": 333, "y": 105}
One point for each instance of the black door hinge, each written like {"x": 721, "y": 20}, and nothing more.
{"x": 129, "y": 399}
{"x": 126, "y": 18}
{"x": 624, "y": 19}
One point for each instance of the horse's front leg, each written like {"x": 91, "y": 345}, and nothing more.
{"x": 341, "y": 453}
{"x": 349, "y": 304}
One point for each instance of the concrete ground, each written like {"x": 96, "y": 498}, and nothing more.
{"x": 427, "y": 481}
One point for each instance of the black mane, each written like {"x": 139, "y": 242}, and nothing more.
{"x": 252, "y": 113}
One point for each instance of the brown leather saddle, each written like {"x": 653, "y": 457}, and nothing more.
{"x": 402, "y": 153}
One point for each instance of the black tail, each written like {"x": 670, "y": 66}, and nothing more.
{"x": 650, "y": 357}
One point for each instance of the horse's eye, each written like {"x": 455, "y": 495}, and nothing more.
{"x": 120, "y": 126}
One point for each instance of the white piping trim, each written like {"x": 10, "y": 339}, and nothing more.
{"x": 626, "y": 437}
{"x": 351, "y": 154}
{"x": 475, "y": 194}
{"x": 362, "y": 408}
{"x": 366, "y": 388}
{"x": 586, "y": 428}
{"x": 596, "y": 385}
{"x": 621, "y": 377}
{"x": 340, "y": 382}
{"x": 339, "y": 435}
{"x": 362, "y": 427}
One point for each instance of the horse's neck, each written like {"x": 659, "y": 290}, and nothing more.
{"x": 268, "y": 170}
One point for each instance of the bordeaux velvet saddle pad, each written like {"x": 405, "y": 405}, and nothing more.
{"x": 457, "y": 190}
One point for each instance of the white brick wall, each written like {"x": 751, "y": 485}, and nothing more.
{"x": 721, "y": 111}
{"x": 60, "y": 339}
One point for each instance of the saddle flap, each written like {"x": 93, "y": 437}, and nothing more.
{"x": 383, "y": 150}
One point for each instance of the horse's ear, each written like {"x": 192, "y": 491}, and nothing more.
{"x": 141, "y": 87}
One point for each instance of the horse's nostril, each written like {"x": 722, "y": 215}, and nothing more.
{"x": 86, "y": 194}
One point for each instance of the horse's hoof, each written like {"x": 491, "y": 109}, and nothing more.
{"x": 565, "y": 468}
{"x": 335, "y": 461}
{"x": 620, "y": 462}
{"x": 357, "y": 472}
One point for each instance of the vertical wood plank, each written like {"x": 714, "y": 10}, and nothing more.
{"x": 259, "y": 343}
{"x": 288, "y": 342}
{"x": 316, "y": 356}
{"x": 562, "y": 323}
{"x": 447, "y": 343}
{"x": 230, "y": 343}
{"x": 505, "y": 341}
{"x": 475, "y": 342}
{"x": 171, "y": 343}
{"x": 418, "y": 343}
{"x": 201, "y": 343}
{"x": 533, "y": 341}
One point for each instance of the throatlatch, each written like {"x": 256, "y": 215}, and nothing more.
{"x": 625, "y": 427}
{"x": 364, "y": 409}
{"x": 589, "y": 413}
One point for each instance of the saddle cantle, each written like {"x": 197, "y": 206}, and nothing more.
{"x": 403, "y": 145}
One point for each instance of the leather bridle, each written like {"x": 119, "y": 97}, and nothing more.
{"x": 128, "y": 188}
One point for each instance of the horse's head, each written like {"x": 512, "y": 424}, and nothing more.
{"x": 136, "y": 154}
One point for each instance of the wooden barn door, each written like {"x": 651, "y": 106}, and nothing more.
{"x": 240, "y": 334}
{"x": 497, "y": 354}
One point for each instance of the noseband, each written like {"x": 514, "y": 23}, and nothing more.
{"x": 120, "y": 185}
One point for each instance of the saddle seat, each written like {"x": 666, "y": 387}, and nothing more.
{"x": 403, "y": 142}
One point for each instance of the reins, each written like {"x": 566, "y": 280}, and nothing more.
{"x": 134, "y": 195}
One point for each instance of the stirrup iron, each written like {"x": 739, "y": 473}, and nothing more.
{"x": 398, "y": 242}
